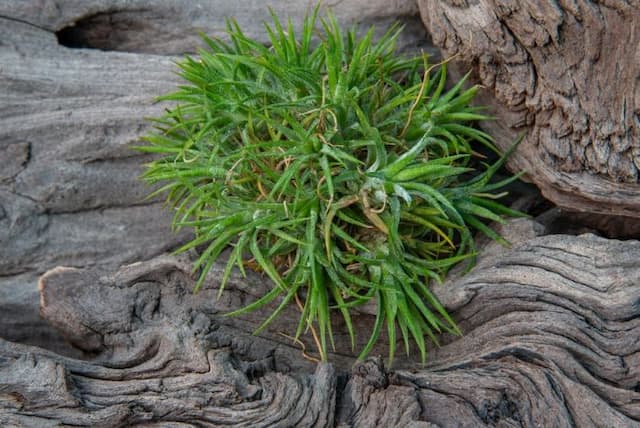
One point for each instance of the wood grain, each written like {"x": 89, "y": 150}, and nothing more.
{"x": 551, "y": 330}
{"x": 70, "y": 192}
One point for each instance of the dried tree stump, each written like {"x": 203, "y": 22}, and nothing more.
{"x": 551, "y": 339}
{"x": 567, "y": 75}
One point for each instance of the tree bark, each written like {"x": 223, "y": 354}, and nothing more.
{"x": 565, "y": 74}
{"x": 550, "y": 339}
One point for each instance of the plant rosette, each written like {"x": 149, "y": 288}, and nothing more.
{"x": 342, "y": 171}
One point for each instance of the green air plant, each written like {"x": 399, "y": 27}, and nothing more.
{"x": 342, "y": 171}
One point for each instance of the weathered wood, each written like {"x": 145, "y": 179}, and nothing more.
{"x": 565, "y": 73}
{"x": 39, "y": 389}
{"x": 551, "y": 326}
{"x": 551, "y": 330}
{"x": 70, "y": 191}
{"x": 69, "y": 187}
{"x": 172, "y": 26}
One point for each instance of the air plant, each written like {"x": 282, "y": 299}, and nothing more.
{"x": 344, "y": 172}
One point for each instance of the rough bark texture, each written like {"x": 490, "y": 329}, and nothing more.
{"x": 551, "y": 330}
{"x": 568, "y": 75}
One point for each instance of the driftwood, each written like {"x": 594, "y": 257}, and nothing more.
{"x": 70, "y": 192}
{"x": 550, "y": 327}
{"x": 551, "y": 330}
{"x": 567, "y": 75}
{"x": 69, "y": 187}
{"x": 172, "y": 26}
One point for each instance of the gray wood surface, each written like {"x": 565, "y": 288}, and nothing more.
{"x": 70, "y": 192}
{"x": 550, "y": 339}
{"x": 551, "y": 325}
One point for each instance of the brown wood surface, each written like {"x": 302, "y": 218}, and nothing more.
{"x": 567, "y": 75}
